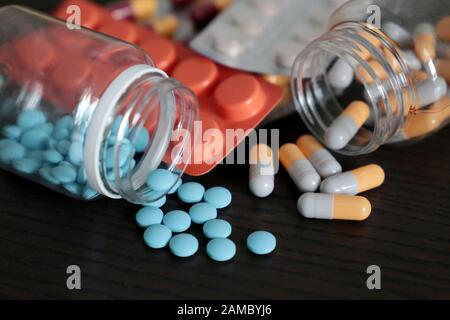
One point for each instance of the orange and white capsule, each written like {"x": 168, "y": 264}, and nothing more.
{"x": 333, "y": 206}
{"x": 321, "y": 159}
{"x": 425, "y": 42}
{"x": 262, "y": 171}
{"x": 345, "y": 127}
{"x": 299, "y": 168}
{"x": 355, "y": 181}
{"x": 443, "y": 28}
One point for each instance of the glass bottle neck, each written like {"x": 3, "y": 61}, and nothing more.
{"x": 377, "y": 68}
{"x": 130, "y": 133}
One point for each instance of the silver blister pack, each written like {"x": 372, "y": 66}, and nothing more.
{"x": 264, "y": 36}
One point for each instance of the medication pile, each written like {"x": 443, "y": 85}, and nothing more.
{"x": 170, "y": 228}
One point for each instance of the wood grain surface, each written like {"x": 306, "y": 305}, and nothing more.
{"x": 407, "y": 236}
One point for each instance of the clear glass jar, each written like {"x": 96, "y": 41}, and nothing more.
{"x": 392, "y": 55}
{"x": 86, "y": 114}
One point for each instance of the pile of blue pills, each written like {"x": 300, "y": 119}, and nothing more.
{"x": 170, "y": 229}
{"x": 52, "y": 151}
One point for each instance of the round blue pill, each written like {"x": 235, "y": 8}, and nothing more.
{"x": 6, "y": 142}
{"x": 177, "y": 220}
{"x": 61, "y": 133}
{"x": 64, "y": 172}
{"x": 157, "y": 203}
{"x": 217, "y": 228}
{"x": 76, "y": 153}
{"x": 37, "y": 155}
{"x": 161, "y": 180}
{"x": 221, "y": 249}
{"x": 65, "y": 122}
{"x": 219, "y": 197}
{"x": 30, "y": 118}
{"x": 191, "y": 192}
{"x": 12, "y": 132}
{"x": 89, "y": 193}
{"x": 261, "y": 242}
{"x": 147, "y": 216}
{"x": 63, "y": 147}
{"x": 72, "y": 187}
{"x": 52, "y": 156}
{"x": 175, "y": 187}
{"x": 34, "y": 139}
{"x": 142, "y": 140}
{"x": 46, "y": 174}
{"x": 47, "y": 127}
{"x": 183, "y": 245}
{"x": 202, "y": 212}
{"x": 12, "y": 151}
{"x": 26, "y": 165}
{"x": 81, "y": 178}
{"x": 157, "y": 236}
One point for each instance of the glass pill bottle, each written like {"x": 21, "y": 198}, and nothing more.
{"x": 379, "y": 75}
{"x": 86, "y": 114}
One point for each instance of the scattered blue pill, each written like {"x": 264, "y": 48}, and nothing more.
{"x": 261, "y": 242}
{"x": 12, "y": 151}
{"x": 183, "y": 245}
{"x": 26, "y": 165}
{"x": 76, "y": 153}
{"x": 217, "y": 228}
{"x": 30, "y": 118}
{"x": 88, "y": 193}
{"x": 177, "y": 220}
{"x": 175, "y": 187}
{"x": 202, "y": 212}
{"x": 34, "y": 139}
{"x": 142, "y": 140}
{"x": 52, "y": 156}
{"x": 161, "y": 179}
{"x": 221, "y": 249}
{"x": 157, "y": 236}
{"x": 191, "y": 192}
{"x": 73, "y": 188}
{"x": 12, "y": 132}
{"x": 147, "y": 216}
{"x": 63, "y": 146}
{"x": 219, "y": 197}
{"x": 46, "y": 174}
{"x": 64, "y": 173}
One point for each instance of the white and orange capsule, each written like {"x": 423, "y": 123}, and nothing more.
{"x": 443, "y": 28}
{"x": 262, "y": 171}
{"x": 321, "y": 159}
{"x": 425, "y": 42}
{"x": 299, "y": 168}
{"x": 333, "y": 206}
{"x": 345, "y": 127}
{"x": 355, "y": 181}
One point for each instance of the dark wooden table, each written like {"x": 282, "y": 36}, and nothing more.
{"x": 407, "y": 236}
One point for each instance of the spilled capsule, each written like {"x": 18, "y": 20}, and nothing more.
{"x": 345, "y": 127}
{"x": 443, "y": 28}
{"x": 321, "y": 159}
{"x": 333, "y": 206}
{"x": 397, "y": 33}
{"x": 354, "y": 181}
{"x": 262, "y": 172}
{"x": 299, "y": 168}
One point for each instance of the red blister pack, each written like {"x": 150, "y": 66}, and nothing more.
{"x": 228, "y": 99}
